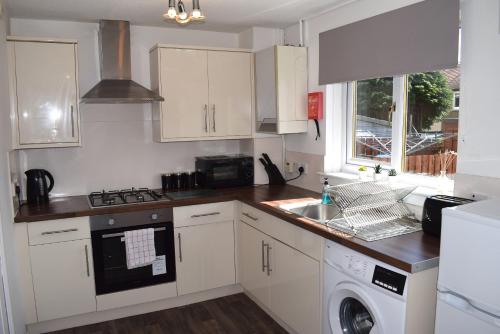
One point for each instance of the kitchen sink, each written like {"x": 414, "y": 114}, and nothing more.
{"x": 313, "y": 210}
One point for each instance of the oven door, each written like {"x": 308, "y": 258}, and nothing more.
{"x": 110, "y": 263}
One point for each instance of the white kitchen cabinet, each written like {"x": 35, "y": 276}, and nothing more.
{"x": 252, "y": 262}
{"x": 281, "y": 89}
{"x": 44, "y": 93}
{"x": 230, "y": 93}
{"x": 295, "y": 288}
{"x": 63, "y": 279}
{"x": 184, "y": 114}
{"x": 204, "y": 243}
{"x": 208, "y": 93}
{"x": 280, "y": 277}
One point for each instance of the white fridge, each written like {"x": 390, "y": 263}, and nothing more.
{"x": 468, "y": 299}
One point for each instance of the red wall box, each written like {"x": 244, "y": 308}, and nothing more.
{"x": 315, "y": 105}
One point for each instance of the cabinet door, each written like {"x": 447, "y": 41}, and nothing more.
{"x": 184, "y": 85}
{"x": 63, "y": 279}
{"x": 292, "y": 83}
{"x": 46, "y": 88}
{"x": 295, "y": 292}
{"x": 230, "y": 93}
{"x": 252, "y": 258}
{"x": 205, "y": 257}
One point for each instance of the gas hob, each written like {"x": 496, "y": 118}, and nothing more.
{"x": 125, "y": 197}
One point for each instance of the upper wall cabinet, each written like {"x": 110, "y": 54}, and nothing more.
{"x": 208, "y": 93}
{"x": 281, "y": 90}
{"x": 44, "y": 93}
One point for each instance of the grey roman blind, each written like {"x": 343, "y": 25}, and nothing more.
{"x": 417, "y": 38}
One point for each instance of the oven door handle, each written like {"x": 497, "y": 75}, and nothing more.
{"x": 122, "y": 234}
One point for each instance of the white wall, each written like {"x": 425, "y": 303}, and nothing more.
{"x": 258, "y": 38}
{"x": 118, "y": 150}
{"x": 6, "y": 211}
{"x": 479, "y": 122}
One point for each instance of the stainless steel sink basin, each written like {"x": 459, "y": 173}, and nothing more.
{"x": 314, "y": 211}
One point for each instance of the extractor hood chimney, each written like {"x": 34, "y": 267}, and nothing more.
{"x": 116, "y": 85}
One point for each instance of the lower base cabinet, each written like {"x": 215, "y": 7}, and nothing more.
{"x": 282, "y": 278}
{"x": 252, "y": 262}
{"x": 205, "y": 257}
{"x": 63, "y": 279}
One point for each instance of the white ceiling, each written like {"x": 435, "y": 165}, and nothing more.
{"x": 222, "y": 15}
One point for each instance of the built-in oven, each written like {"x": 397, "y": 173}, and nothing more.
{"x": 108, "y": 247}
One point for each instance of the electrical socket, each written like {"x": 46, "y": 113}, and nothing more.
{"x": 304, "y": 165}
{"x": 289, "y": 167}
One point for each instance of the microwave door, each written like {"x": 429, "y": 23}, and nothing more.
{"x": 224, "y": 172}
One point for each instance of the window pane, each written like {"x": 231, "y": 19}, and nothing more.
{"x": 373, "y": 119}
{"x": 432, "y": 122}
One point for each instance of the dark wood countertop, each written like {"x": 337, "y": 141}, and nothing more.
{"x": 411, "y": 252}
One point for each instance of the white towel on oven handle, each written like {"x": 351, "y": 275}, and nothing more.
{"x": 140, "y": 247}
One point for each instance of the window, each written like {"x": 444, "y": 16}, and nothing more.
{"x": 409, "y": 122}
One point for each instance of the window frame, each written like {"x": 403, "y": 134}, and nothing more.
{"x": 399, "y": 98}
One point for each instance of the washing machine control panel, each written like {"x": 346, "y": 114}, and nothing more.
{"x": 389, "y": 280}
{"x": 358, "y": 267}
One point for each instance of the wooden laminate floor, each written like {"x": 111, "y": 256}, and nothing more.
{"x": 229, "y": 315}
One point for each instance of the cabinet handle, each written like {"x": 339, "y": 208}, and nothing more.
{"x": 87, "y": 260}
{"x": 263, "y": 264}
{"x": 72, "y": 123}
{"x": 213, "y": 116}
{"x": 268, "y": 262}
{"x": 206, "y": 214}
{"x": 206, "y": 117}
{"x": 180, "y": 246}
{"x": 249, "y": 216}
{"x": 60, "y": 231}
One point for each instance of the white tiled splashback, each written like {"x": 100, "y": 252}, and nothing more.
{"x": 117, "y": 152}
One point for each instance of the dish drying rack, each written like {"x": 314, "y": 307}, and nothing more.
{"x": 373, "y": 210}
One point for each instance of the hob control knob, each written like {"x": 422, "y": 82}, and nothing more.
{"x": 111, "y": 221}
{"x": 154, "y": 216}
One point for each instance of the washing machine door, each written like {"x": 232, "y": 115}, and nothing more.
{"x": 355, "y": 318}
{"x": 351, "y": 311}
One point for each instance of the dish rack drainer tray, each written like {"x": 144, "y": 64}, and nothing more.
{"x": 373, "y": 210}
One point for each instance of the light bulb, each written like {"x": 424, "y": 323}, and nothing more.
{"x": 182, "y": 11}
{"x": 196, "y": 14}
{"x": 172, "y": 13}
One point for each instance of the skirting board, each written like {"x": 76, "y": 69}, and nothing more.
{"x": 96, "y": 317}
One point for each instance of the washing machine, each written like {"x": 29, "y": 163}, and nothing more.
{"x": 362, "y": 295}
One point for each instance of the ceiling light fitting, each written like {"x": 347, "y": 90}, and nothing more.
{"x": 177, "y": 11}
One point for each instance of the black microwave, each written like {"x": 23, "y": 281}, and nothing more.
{"x": 222, "y": 171}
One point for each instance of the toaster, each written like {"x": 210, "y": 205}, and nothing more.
{"x": 431, "y": 217}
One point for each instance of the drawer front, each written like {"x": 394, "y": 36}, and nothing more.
{"x": 58, "y": 230}
{"x": 203, "y": 214}
{"x": 294, "y": 236}
{"x": 253, "y": 217}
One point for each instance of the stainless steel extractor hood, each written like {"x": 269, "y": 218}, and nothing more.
{"x": 116, "y": 85}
